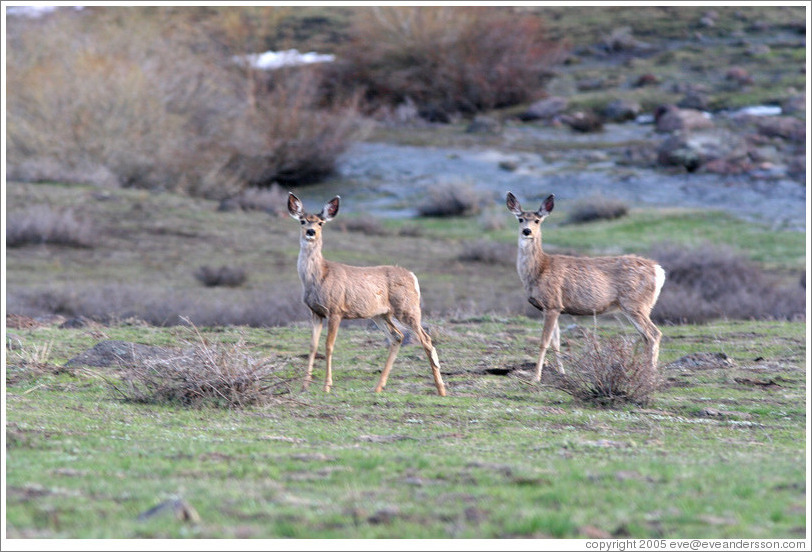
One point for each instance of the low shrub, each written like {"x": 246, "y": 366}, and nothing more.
{"x": 113, "y": 303}
{"x": 597, "y": 208}
{"x": 272, "y": 200}
{"x": 42, "y": 224}
{"x": 446, "y": 60}
{"x": 451, "y": 199}
{"x": 609, "y": 372}
{"x": 203, "y": 374}
{"x": 227, "y": 276}
{"x": 370, "y": 226}
{"x": 411, "y": 231}
{"x": 154, "y": 100}
{"x": 710, "y": 282}
{"x": 488, "y": 252}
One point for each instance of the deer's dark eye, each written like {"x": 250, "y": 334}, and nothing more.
{"x": 537, "y": 221}
{"x": 321, "y": 223}
{"x": 303, "y": 222}
{"x": 521, "y": 220}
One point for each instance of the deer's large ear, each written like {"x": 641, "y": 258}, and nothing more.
{"x": 330, "y": 209}
{"x": 547, "y": 206}
{"x": 513, "y": 204}
{"x": 295, "y": 206}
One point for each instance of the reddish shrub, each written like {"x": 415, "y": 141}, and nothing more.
{"x": 712, "y": 282}
{"x": 447, "y": 59}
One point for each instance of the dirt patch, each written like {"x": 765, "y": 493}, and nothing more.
{"x": 702, "y": 361}
{"x": 117, "y": 353}
{"x": 19, "y": 322}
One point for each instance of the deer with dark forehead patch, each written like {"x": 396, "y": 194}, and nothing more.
{"x": 336, "y": 291}
{"x": 558, "y": 284}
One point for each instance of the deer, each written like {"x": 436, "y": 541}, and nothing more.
{"x": 336, "y": 291}
{"x": 557, "y": 284}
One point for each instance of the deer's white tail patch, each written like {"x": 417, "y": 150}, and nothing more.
{"x": 659, "y": 280}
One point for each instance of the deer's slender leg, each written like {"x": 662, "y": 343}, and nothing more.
{"x": 556, "y": 345}
{"x": 434, "y": 360}
{"x": 314, "y": 345}
{"x": 550, "y": 324}
{"x": 332, "y": 332}
{"x": 651, "y": 335}
{"x": 413, "y": 321}
{"x": 395, "y": 338}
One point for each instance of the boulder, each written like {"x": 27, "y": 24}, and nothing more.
{"x": 794, "y": 104}
{"x": 545, "y": 109}
{"x": 694, "y": 100}
{"x": 669, "y": 118}
{"x": 583, "y": 121}
{"x": 484, "y": 125}
{"x": 739, "y": 75}
{"x": 622, "y": 110}
{"x": 695, "y": 149}
{"x": 788, "y": 128}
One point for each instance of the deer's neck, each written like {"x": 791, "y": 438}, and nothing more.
{"x": 311, "y": 263}
{"x": 531, "y": 260}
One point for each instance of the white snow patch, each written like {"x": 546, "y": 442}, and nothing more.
{"x": 287, "y": 58}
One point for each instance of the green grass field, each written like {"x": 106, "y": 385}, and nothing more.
{"x": 715, "y": 455}
{"x": 718, "y": 453}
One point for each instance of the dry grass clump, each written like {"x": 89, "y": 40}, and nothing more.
{"x": 609, "y": 372}
{"x": 451, "y": 199}
{"x": 150, "y": 97}
{"x": 112, "y": 303}
{"x": 711, "y": 282}
{"x": 488, "y": 252}
{"x": 41, "y": 224}
{"x": 370, "y": 226}
{"x": 203, "y": 374}
{"x": 597, "y": 208}
{"x": 227, "y": 276}
{"x": 446, "y": 59}
{"x": 271, "y": 200}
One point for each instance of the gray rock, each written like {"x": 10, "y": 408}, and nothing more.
{"x": 622, "y": 110}
{"x": 545, "y": 109}
{"x": 670, "y": 118}
{"x": 117, "y": 353}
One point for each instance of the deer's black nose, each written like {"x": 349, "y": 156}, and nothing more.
{"x": 310, "y": 232}
{"x": 527, "y": 231}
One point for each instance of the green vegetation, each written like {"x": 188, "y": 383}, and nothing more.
{"x": 717, "y": 452}
{"x": 496, "y": 458}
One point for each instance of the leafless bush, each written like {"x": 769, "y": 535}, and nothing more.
{"x": 609, "y": 372}
{"x": 597, "y": 208}
{"x": 228, "y": 276}
{"x": 112, "y": 303}
{"x": 154, "y": 100}
{"x": 41, "y": 224}
{"x": 488, "y": 252}
{"x": 411, "y": 231}
{"x": 272, "y": 200}
{"x": 203, "y": 374}
{"x": 370, "y": 226}
{"x": 451, "y": 199}
{"x": 446, "y": 59}
{"x": 287, "y": 138}
{"x": 711, "y": 282}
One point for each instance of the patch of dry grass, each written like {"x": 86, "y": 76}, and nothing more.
{"x": 711, "y": 281}
{"x": 609, "y": 372}
{"x": 203, "y": 374}
{"x": 41, "y": 224}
